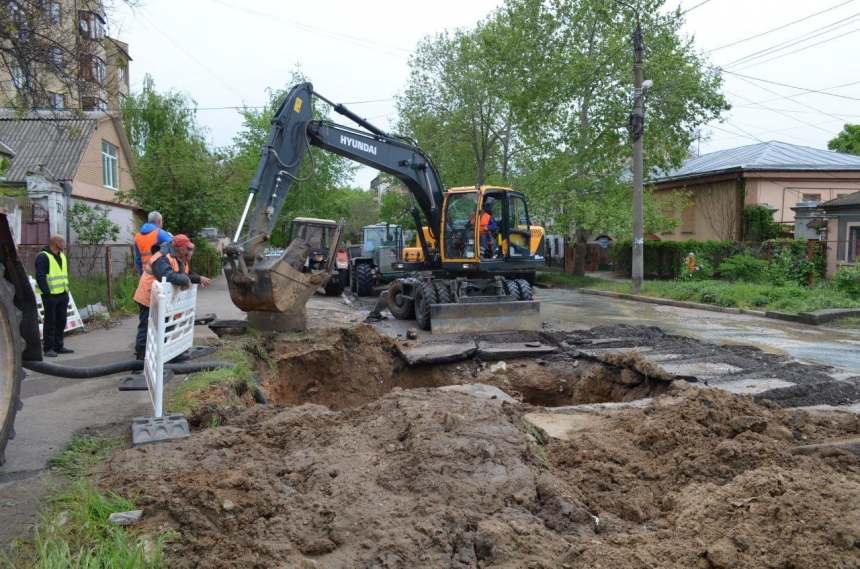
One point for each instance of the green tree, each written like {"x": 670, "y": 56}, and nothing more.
{"x": 564, "y": 68}
{"x": 847, "y": 141}
{"x": 177, "y": 174}
{"x": 318, "y": 195}
{"x": 455, "y": 106}
{"x": 93, "y": 227}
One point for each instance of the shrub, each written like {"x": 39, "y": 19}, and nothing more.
{"x": 744, "y": 267}
{"x": 847, "y": 280}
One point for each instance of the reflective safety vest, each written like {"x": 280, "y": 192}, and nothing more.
{"x": 144, "y": 245}
{"x": 144, "y": 287}
{"x": 58, "y": 277}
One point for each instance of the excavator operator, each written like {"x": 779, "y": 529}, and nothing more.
{"x": 487, "y": 228}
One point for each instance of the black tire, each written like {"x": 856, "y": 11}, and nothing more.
{"x": 401, "y": 308}
{"x": 11, "y": 372}
{"x": 350, "y": 276}
{"x": 363, "y": 280}
{"x": 335, "y": 285}
{"x": 526, "y": 292}
{"x": 513, "y": 289}
{"x": 443, "y": 295}
{"x": 425, "y": 295}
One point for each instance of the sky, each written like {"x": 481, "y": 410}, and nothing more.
{"x": 797, "y": 82}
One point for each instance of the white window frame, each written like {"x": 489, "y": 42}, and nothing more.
{"x": 99, "y": 70}
{"x": 110, "y": 165}
{"x": 57, "y": 100}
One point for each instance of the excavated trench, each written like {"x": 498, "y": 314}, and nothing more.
{"x": 350, "y": 367}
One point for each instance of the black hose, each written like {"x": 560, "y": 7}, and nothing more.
{"x": 117, "y": 367}
{"x": 130, "y": 365}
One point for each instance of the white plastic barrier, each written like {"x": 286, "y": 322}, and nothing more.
{"x": 73, "y": 317}
{"x": 171, "y": 332}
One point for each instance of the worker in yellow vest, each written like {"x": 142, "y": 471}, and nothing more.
{"x": 168, "y": 261}
{"x": 52, "y": 278}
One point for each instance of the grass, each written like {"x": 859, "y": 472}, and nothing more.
{"x": 850, "y": 322}
{"x": 75, "y": 531}
{"x": 239, "y": 378}
{"x": 93, "y": 290}
{"x": 788, "y": 298}
{"x": 564, "y": 279}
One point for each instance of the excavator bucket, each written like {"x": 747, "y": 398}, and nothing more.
{"x": 485, "y": 315}
{"x": 278, "y": 285}
{"x": 275, "y": 287}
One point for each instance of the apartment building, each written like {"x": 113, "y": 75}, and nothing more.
{"x": 59, "y": 57}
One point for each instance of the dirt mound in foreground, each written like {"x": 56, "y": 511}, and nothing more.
{"x": 425, "y": 478}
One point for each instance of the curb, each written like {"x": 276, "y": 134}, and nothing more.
{"x": 811, "y": 318}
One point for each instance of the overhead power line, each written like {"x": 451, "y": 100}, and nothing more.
{"x": 803, "y": 19}
{"x": 749, "y": 62}
{"x": 819, "y": 92}
{"x": 795, "y": 40}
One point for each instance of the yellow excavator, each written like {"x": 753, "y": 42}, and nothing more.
{"x": 462, "y": 277}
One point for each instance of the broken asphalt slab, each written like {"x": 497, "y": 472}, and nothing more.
{"x": 443, "y": 353}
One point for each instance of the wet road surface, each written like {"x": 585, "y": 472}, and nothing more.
{"x": 570, "y": 310}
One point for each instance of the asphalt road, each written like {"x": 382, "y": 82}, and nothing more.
{"x": 567, "y": 309}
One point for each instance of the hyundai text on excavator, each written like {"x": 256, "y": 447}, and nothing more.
{"x": 453, "y": 286}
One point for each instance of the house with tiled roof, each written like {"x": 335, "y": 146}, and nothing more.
{"x": 61, "y": 158}
{"x": 773, "y": 174}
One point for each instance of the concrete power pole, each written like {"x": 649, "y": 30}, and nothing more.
{"x": 637, "y": 125}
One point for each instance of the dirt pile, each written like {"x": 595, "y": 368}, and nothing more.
{"x": 426, "y": 478}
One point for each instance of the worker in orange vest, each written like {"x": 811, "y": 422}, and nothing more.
{"x": 149, "y": 236}
{"x": 168, "y": 261}
{"x": 487, "y": 226}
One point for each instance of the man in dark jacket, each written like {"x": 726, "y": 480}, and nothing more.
{"x": 52, "y": 278}
{"x": 169, "y": 261}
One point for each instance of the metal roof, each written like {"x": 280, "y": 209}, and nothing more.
{"x": 57, "y": 144}
{"x": 770, "y": 156}
{"x": 851, "y": 200}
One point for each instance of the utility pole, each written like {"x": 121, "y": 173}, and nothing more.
{"x": 637, "y": 125}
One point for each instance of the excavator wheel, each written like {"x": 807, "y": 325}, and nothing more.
{"x": 363, "y": 280}
{"x": 513, "y": 290}
{"x": 335, "y": 285}
{"x": 425, "y": 295}
{"x": 11, "y": 373}
{"x": 443, "y": 294}
{"x": 401, "y": 307}
{"x": 526, "y": 292}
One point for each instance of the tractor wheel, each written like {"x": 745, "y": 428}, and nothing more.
{"x": 335, "y": 285}
{"x": 363, "y": 280}
{"x": 11, "y": 373}
{"x": 350, "y": 276}
{"x": 401, "y": 307}
{"x": 425, "y": 295}
{"x": 513, "y": 290}
{"x": 443, "y": 295}
{"x": 526, "y": 292}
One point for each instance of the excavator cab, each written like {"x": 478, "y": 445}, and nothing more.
{"x": 487, "y": 226}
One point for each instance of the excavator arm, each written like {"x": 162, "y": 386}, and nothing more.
{"x": 294, "y": 131}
